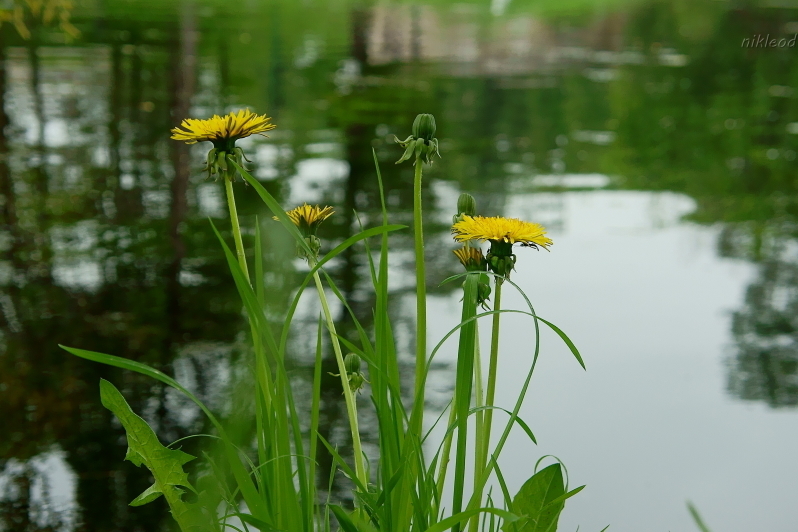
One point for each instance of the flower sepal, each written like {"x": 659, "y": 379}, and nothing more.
{"x": 314, "y": 244}
{"x": 501, "y": 264}
{"x": 422, "y": 143}
{"x": 218, "y": 162}
{"x": 483, "y": 291}
{"x": 354, "y": 376}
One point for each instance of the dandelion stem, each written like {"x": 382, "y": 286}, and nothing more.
{"x": 231, "y": 204}
{"x": 421, "y": 302}
{"x": 349, "y": 398}
{"x": 482, "y": 460}
{"x": 262, "y": 371}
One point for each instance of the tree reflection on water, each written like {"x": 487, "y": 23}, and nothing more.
{"x": 105, "y": 236}
{"x": 765, "y": 330}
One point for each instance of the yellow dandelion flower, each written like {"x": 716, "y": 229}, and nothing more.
{"x": 499, "y": 229}
{"x": 308, "y": 217}
{"x": 223, "y": 131}
{"x": 471, "y": 258}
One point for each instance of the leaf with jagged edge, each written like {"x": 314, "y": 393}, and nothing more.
{"x": 165, "y": 464}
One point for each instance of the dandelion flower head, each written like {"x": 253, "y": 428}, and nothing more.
{"x": 308, "y": 217}
{"x": 223, "y": 131}
{"x": 471, "y": 258}
{"x": 499, "y": 229}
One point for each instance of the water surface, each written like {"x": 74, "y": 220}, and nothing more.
{"x": 658, "y": 151}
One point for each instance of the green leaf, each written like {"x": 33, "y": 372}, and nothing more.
{"x": 344, "y": 522}
{"x": 255, "y": 503}
{"x": 539, "y": 502}
{"x": 697, "y": 517}
{"x": 149, "y": 495}
{"x": 261, "y": 525}
{"x": 568, "y": 495}
{"x": 567, "y": 341}
{"x": 165, "y": 464}
{"x": 351, "y": 522}
{"x": 449, "y": 522}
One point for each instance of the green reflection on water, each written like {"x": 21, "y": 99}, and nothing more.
{"x": 105, "y": 239}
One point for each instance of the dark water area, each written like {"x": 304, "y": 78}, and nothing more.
{"x": 104, "y": 221}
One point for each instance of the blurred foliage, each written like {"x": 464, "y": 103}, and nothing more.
{"x": 658, "y": 94}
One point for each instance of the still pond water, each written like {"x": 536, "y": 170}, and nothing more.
{"x": 658, "y": 151}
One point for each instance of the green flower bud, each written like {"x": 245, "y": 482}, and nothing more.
{"x": 466, "y": 204}
{"x": 352, "y": 363}
{"x": 424, "y": 127}
{"x": 354, "y": 377}
{"x": 422, "y": 143}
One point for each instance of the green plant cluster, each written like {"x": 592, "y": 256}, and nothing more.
{"x": 271, "y": 485}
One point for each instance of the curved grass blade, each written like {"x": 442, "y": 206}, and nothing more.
{"x": 567, "y": 341}
{"x": 697, "y": 517}
{"x": 449, "y": 522}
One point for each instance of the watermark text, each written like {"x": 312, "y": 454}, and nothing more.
{"x": 766, "y": 41}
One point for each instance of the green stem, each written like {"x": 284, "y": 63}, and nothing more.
{"x": 446, "y": 451}
{"x": 421, "y": 303}
{"x": 231, "y": 204}
{"x": 480, "y": 425}
{"x": 447, "y": 442}
{"x": 463, "y": 388}
{"x": 262, "y": 372}
{"x": 349, "y": 398}
{"x": 314, "y": 423}
{"x": 482, "y": 458}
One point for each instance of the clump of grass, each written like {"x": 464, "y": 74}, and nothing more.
{"x": 406, "y": 489}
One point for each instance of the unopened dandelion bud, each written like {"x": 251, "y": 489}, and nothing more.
{"x": 354, "y": 377}
{"x": 422, "y": 143}
{"x": 424, "y": 127}
{"x": 466, "y": 204}
{"x": 352, "y": 363}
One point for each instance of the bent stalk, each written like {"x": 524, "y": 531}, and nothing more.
{"x": 349, "y": 396}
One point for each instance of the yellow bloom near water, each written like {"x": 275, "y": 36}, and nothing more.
{"x": 499, "y": 229}
{"x": 222, "y": 129}
{"x": 308, "y": 217}
{"x": 471, "y": 258}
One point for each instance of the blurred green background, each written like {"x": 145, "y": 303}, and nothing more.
{"x": 106, "y": 243}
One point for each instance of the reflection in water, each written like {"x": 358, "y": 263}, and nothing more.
{"x": 765, "y": 365}
{"x": 105, "y": 237}
{"x": 38, "y": 494}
